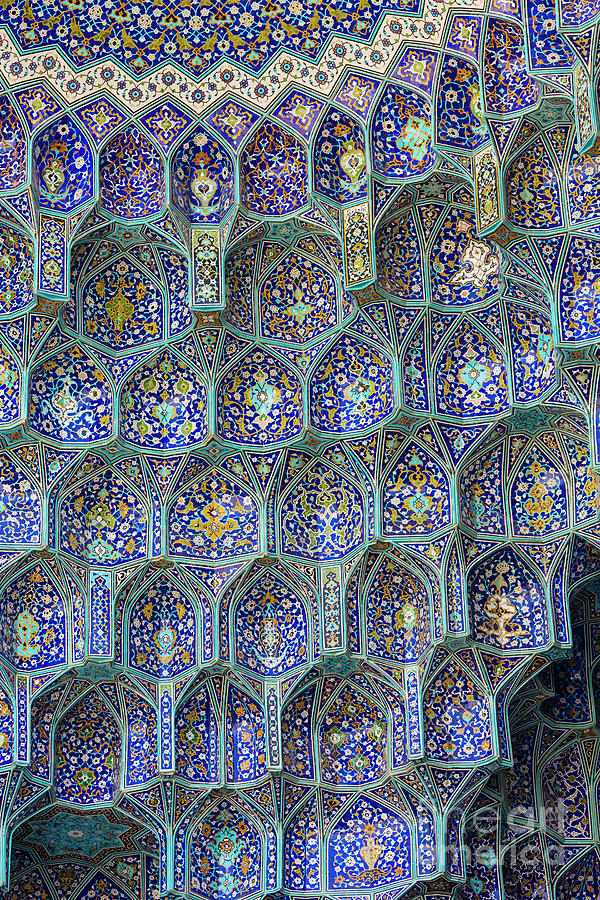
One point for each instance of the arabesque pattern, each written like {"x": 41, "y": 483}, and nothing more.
{"x": 300, "y": 450}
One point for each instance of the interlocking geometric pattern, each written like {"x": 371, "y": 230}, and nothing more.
{"x": 300, "y": 450}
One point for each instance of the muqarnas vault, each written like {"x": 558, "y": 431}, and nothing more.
{"x": 299, "y": 450}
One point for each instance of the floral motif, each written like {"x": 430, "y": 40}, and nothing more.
{"x": 64, "y": 167}
{"x": 20, "y": 506}
{"x": 460, "y": 122}
{"x": 471, "y": 375}
{"x": 339, "y": 159}
{"x": 70, "y": 398}
{"x": 298, "y": 300}
{"x": 259, "y": 402}
{"x": 579, "y": 286}
{"x": 397, "y": 615}
{"x": 539, "y": 497}
{"x": 145, "y": 42}
{"x": 401, "y": 134}
{"x": 197, "y": 739}
{"x": 507, "y": 603}
{"x": 13, "y": 146}
{"x": 296, "y": 734}
{"x": 533, "y": 195}
{"x": 162, "y": 629}
{"x": 352, "y": 388}
{"x": 322, "y": 517}
{"x": 88, "y": 753}
{"x": 274, "y": 172}
{"x": 245, "y": 738}
{"x": 33, "y": 622}
{"x": 271, "y": 628}
{"x": 464, "y": 268}
{"x": 416, "y": 494}
{"x": 457, "y": 718}
{"x": 16, "y": 262}
{"x": 163, "y": 405}
{"x": 132, "y": 176}
{"x": 399, "y": 258}
{"x": 368, "y": 847}
{"x": 213, "y": 519}
{"x": 121, "y": 306}
{"x": 481, "y": 497}
{"x": 203, "y": 179}
{"x": 352, "y": 740}
{"x": 141, "y": 760}
{"x": 226, "y": 855}
{"x": 103, "y": 522}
